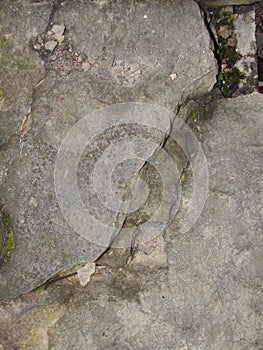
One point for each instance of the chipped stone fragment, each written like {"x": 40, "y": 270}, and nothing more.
{"x": 51, "y": 45}
{"x": 58, "y": 29}
{"x": 58, "y": 37}
{"x": 37, "y": 47}
{"x": 85, "y": 272}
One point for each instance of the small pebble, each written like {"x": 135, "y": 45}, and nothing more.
{"x": 58, "y": 37}
{"x": 224, "y": 32}
{"x": 231, "y": 41}
{"x": 173, "y": 76}
{"x": 58, "y": 29}
{"x": 37, "y": 47}
{"x": 85, "y": 272}
{"x": 51, "y": 45}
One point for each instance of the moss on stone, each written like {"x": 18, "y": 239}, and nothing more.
{"x": 229, "y": 54}
{"x": 228, "y": 81}
{"x": 8, "y": 244}
{"x": 220, "y": 77}
{"x": 193, "y": 115}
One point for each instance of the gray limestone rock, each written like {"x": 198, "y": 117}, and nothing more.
{"x": 228, "y": 2}
{"x": 142, "y": 44}
{"x": 58, "y": 29}
{"x": 245, "y": 31}
{"x": 135, "y": 47}
{"x": 201, "y": 289}
{"x": 21, "y": 69}
{"x": 51, "y": 45}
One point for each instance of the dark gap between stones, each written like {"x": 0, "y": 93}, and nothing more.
{"x": 259, "y": 38}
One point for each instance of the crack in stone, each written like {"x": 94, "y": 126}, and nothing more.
{"x": 54, "y": 9}
{"x": 133, "y": 247}
{"x": 115, "y": 235}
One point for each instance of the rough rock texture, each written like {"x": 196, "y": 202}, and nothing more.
{"x": 228, "y": 2}
{"x": 143, "y": 37}
{"x": 233, "y": 28}
{"x": 21, "y": 69}
{"x": 146, "y": 53}
{"x": 245, "y": 30}
{"x": 196, "y": 290}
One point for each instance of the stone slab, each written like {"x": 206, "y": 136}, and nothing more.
{"x": 120, "y": 37}
{"x": 200, "y": 289}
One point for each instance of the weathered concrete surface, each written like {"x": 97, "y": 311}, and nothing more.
{"x": 138, "y": 51}
{"x": 197, "y": 290}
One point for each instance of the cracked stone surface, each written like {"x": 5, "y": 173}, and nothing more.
{"x": 196, "y": 290}
{"x": 44, "y": 94}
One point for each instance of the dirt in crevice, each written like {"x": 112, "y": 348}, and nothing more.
{"x": 259, "y": 36}
{"x": 221, "y": 24}
{"x": 259, "y": 17}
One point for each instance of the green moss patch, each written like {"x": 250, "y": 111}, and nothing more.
{"x": 8, "y": 246}
{"x": 228, "y": 81}
{"x": 193, "y": 115}
{"x": 229, "y": 54}
{"x": 8, "y": 237}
